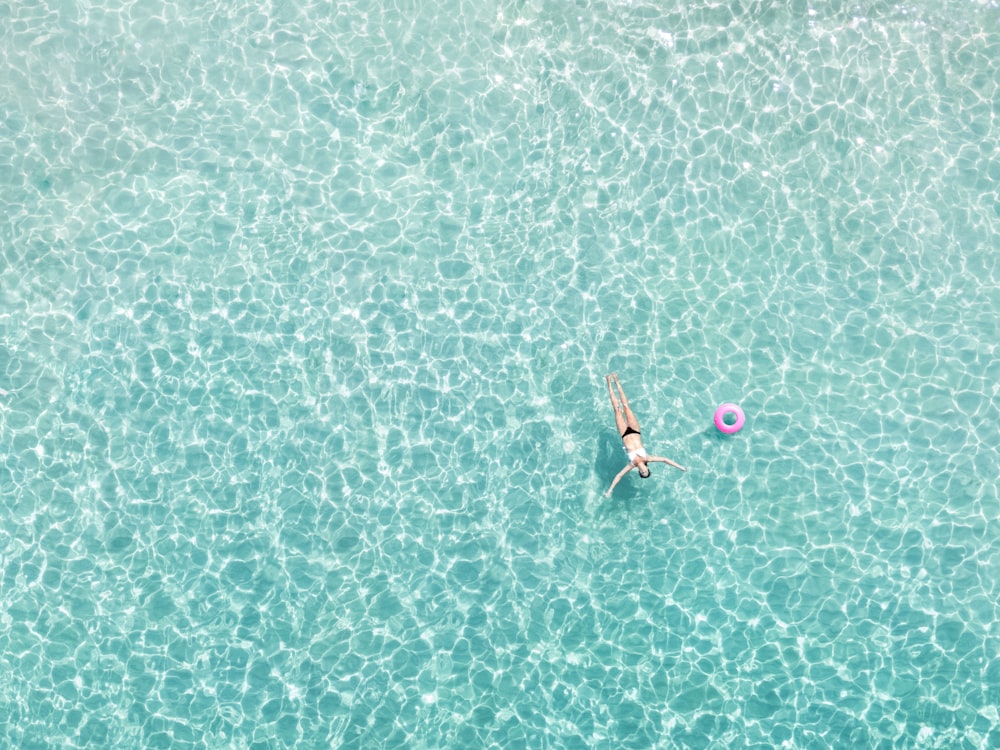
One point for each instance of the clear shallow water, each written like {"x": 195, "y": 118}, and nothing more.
{"x": 305, "y": 316}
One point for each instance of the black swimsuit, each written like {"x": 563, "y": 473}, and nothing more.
{"x": 630, "y": 431}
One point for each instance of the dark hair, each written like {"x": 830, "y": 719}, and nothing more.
{"x": 647, "y": 474}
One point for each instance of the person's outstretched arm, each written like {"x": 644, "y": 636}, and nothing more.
{"x": 618, "y": 478}
{"x": 666, "y": 461}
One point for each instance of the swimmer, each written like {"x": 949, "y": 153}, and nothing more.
{"x": 628, "y": 428}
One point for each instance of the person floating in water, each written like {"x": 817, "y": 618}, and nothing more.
{"x": 628, "y": 428}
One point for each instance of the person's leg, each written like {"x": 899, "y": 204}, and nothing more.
{"x": 630, "y": 420}
{"x": 619, "y": 419}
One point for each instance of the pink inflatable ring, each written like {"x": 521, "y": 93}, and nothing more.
{"x": 720, "y": 422}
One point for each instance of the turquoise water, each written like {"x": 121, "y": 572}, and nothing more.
{"x": 306, "y": 310}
